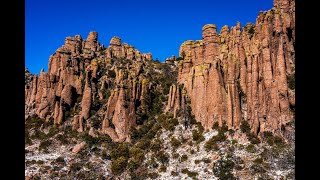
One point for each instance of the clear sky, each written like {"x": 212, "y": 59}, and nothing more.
{"x": 157, "y": 26}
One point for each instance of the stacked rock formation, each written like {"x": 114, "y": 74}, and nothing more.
{"x": 74, "y": 81}
{"x": 241, "y": 73}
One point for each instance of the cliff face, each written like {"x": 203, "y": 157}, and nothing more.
{"x": 241, "y": 73}
{"x": 88, "y": 83}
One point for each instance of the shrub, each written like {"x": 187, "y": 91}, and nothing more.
{"x": 173, "y": 173}
{"x": 38, "y": 134}
{"x": 52, "y": 131}
{"x": 245, "y": 127}
{"x": 27, "y": 139}
{"x": 119, "y": 165}
{"x": 175, "y": 143}
{"x": 74, "y": 167}
{"x": 223, "y": 168}
{"x": 278, "y": 141}
{"x": 33, "y": 121}
{"x": 60, "y": 160}
{"x": 253, "y": 138}
{"x": 184, "y": 158}
{"x": 233, "y": 142}
{"x": 163, "y": 168}
{"x": 220, "y": 137}
{"x": 215, "y": 126}
{"x": 137, "y": 154}
{"x": 192, "y": 151}
{"x": 170, "y": 124}
{"x": 133, "y": 165}
{"x": 197, "y": 161}
{"x": 206, "y": 160}
{"x": 153, "y": 175}
{"x": 224, "y": 127}
{"x": 175, "y": 155}
{"x": 156, "y": 145}
{"x": 163, "y": 157}
{"x": 197, "y": 136}
{"x": 121, "y": 151}
{"x": 268, "y": 137}
{"x": 250, "y": 148}
{"x": 153, "y": 163}
{"x": 143, "y": 143}
{"x": 231, "y": 132}
{"x": 44, "y": 145}
{"x": 190, "y": 173}
{"x": 179, "y": 58}
{"x": 184, "y": 171}
{"x": 62, "y": 139}
{"x": 210, "y": 145}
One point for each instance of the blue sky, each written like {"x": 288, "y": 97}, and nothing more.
{"x": 157, "y": 26}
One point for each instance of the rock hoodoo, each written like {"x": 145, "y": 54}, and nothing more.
{"x": 242, "y": 73}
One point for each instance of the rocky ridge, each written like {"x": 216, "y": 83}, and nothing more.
{"x": 241, "y": 74}
{"x": 227, "y": 99}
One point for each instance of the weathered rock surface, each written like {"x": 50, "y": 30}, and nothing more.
{"x": 241, "y": 73}
{"x": 80, "y": 75}
{"x": 77, "y": 148}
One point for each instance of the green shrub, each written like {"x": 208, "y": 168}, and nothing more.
{"x": 137, "y": 154}
{"x": 163, "y": 168}
{"x": 121, "y": 150}
{"x": 33, "y": 121}
{"x": 224, "y": 127}
{"x": 173, "y": 173}
{"x": 143, "y": 143}
{"x": 253, "y": 138}
{"x": 175, "y": 143}
{"x": 233, "y": 142}
{"x": 163, "y": 157}
{"x": 206, "y": 160}
{"x": 62, "y": 139}
{"x": 119, "y": 165}
{"x": 192, "y": 151}
{"x": 44, "y": 145}
{"x": 133, "y": 165}
{"x": 250, "y": 148}
{"x": 75, "y": 167}
{"x": 231, "y": 132}
{"x": 245, "y": 127}
{"x": 268, "y": 137}
{"x": 223, "y": 168}
{"x": 153, "y": 163}
{"x": 153, "y": 175}
{"x": 60, "y": 160}
{"x": 27, "y": 139}
{"x": 38, "y": 134}
{"x": 184, "y": 171}
{"x": 184, "y": 158}
{"x": 175, "y": 155}
{"x": 197, "y": 136}
{"x": 215, "y": 126}
{"x": 210, "y": 145}
{"x": 189, "y": 173}
{"x": 197, "y": 161}
{"x": 156, "y": 146}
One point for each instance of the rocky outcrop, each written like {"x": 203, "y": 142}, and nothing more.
{"x": 80, "y": 74}
{"x": 241, "y": 73}
{"x": 77, "y": 148}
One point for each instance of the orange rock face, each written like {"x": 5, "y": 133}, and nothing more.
{"x": 71, "y": 88}
{"x": 241, "y": 73}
